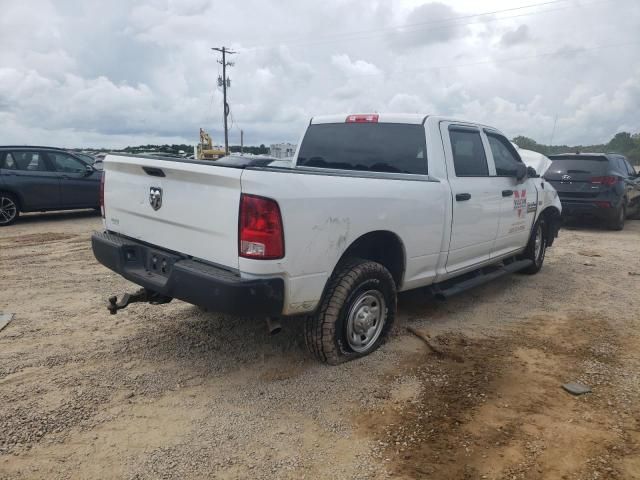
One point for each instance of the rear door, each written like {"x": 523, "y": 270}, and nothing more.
{"x": 476, "y": 198}
{"x": 187, "y": 207}
{"x": 519, "y": 199}
{"x": 78, "y": 187}
{"x": 34, "y": 179}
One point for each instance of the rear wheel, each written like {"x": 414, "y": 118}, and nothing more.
{"x": 355, "y": 314}
{"x": 536, "y": 248}
{"x": 617, "y": 223}
{"x": 9, "y": 210}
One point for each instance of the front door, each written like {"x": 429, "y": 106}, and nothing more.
{"x": 33, "y": 179}
{"x": 519, "y": 198}
{"x": 78, "y": 186}
{"x": 476, "y": 201}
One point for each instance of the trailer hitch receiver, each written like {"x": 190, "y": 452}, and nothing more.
{"x": 142, "y": 295}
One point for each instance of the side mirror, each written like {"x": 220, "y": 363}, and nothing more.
{"x": 521, "y": 171}
{"x": 88, "y": 170}
{"x": 531, "y": 172}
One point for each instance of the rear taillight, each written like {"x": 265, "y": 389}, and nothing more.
{"x": 260, "y": 232}
{"x": 607, "y": 180}
{"x": 102, "y": 193}
{"x": 602, "y": 204}
{"x": 366, "y": 118}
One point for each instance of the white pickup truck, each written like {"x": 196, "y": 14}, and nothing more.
{"x": 371, "y": 205}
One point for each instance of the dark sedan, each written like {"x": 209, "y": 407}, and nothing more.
{"x": 34, "y": 179}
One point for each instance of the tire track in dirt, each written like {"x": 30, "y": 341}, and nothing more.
{"x": 501, "y": 414}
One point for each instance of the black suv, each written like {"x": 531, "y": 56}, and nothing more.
{"x": 602, "y": 185}
{"x": 44, "y": 178}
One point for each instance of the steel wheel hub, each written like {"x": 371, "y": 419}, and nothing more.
{"x": 366, "y": 320}
{"x": 538, "y": 243}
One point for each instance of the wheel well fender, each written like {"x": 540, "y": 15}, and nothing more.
{"x": 383, "y": 247}
{"x": 552, "y": 223}
{"x": 16, "y": 195}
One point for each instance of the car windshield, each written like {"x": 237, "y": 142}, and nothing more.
{"x": 375, "y": 147}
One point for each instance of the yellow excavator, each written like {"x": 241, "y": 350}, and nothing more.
{"x": 205, "y": 149}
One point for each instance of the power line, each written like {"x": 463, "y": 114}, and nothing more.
{"x": 225, "y": 82}
{"x": 411, "y": 27}
{"x": 508, "y": 60}
{"x": 527, "y": 57}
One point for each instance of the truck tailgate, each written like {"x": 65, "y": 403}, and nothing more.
{"x": 198, "y": 212}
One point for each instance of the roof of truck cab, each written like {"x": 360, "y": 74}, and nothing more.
{"x": 408, "y": 118}
{"x": 412, "y": 118}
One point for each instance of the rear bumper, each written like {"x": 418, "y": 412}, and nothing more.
{"x": 571, "y": 208}
{"x": 192, "y": 281}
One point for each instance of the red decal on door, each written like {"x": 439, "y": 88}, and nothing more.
{"x": 519, "y": 201}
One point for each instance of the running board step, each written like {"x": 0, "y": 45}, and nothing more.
{"x": 449, "y": 288}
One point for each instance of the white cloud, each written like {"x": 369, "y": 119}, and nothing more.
{"x": 119, "y": 72}
{"x": 349, "y": 68}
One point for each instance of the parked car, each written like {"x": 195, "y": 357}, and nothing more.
{"x": 601, "y": 185}
{"x": 372, "y": 205}
{"x": 43, "y": 178}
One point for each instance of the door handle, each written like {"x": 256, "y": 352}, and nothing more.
{"x": 461, "y": 197}
{"x": 507, "y": 193}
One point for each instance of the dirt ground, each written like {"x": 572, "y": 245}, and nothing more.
{"x": 173, "y": 392}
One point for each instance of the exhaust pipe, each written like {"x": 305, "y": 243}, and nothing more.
{"x": 273, "y": 325}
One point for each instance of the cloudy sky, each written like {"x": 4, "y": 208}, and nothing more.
{"x": 116, "y": 73}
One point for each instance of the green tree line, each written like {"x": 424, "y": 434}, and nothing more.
{"x": 624, "y": 143}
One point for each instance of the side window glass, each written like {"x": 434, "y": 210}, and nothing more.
{"x": 30, "y": 161}
{"x": 66, "y": 163}
{"x": 9, "y": 162}
{"x": 504, "y": 155}
{"x": 469, "y": 158}
{"x": 621, "y": 167}
{"x": 630, "y": 169}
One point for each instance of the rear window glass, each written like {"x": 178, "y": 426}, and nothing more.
{"x": 469, "y": 158}
{"x": 8, "y": 162}
{"x": 579, "y": 164}
{"x": 374, "y": 147}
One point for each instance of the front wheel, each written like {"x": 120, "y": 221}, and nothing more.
{"x": 9, "y": 210}
{"x": 355, "y": 314}
{"x": 536, "y": 248}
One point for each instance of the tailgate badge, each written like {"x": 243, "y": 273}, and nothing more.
{"x": 155, "y": 197}
{"x": 566, "y": 178}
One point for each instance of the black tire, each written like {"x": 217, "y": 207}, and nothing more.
{"x": 617, "y": 222}
{"x": 9, "y": 209}
{"x": 533, "y": 253}
{"x": 355, "y": 286}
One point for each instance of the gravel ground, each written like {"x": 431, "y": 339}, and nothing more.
{"x": 173, "y": 392}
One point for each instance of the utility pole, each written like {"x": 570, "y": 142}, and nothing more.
{"x": 241, "y": 141}
{"x": 225, "y": 82}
